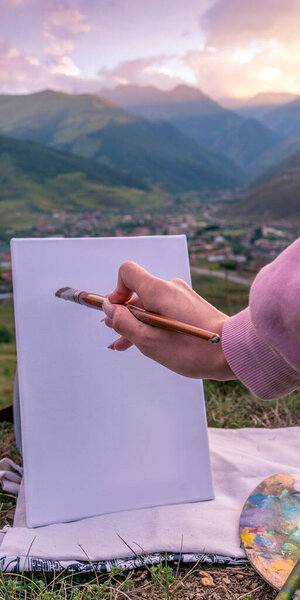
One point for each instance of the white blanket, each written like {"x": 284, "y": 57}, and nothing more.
{"x": 241, "y": 458}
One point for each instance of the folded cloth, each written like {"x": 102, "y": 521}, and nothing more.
{"x": 10, "y": 476}
{"x": 241, "y": 458}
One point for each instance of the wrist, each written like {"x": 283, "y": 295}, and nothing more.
{"x": 224, "y": 370}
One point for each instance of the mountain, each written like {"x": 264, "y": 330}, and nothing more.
{"x": 271, "y": 99}
{"x": 94, "y": 127}
{"x": 274, "y": 155}
{"x": 273, "y": 196}
{"x": 259, "y": 105}
{"x": 285, "y": 119}
{"x": 44, "y": 163}
{"x": 159, "y": 154}
{"x": 153, "y": 103}
{"x": 35, "y": 180}
{"x": 198, "y": 116}
{"x": 49, "y": 117}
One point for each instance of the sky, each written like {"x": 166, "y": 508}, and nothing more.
{"x": 227, "y": 48}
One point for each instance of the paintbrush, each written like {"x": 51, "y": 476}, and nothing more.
{"x": 269, "y": 531}
{"x": 96, "y": 301}
{"x": 291, "y": 585}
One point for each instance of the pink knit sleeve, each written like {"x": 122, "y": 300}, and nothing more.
{"x": 262, "y": 343}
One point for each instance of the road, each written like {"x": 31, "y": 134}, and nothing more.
{"x": 6, "y": 296}
{"x": 221, "y": 274}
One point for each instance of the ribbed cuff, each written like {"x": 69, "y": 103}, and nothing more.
{"x": 261, "y": 368}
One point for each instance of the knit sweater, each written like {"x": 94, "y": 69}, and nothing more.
{"x": 262, "y": 343}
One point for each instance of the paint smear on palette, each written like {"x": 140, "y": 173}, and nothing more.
{"x": 270, "y": 528}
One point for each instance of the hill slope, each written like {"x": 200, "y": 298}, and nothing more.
{"x": 262, "y": 104}
{"x": 52, "y": 117}
{"x": 274, "y": 196}
{"x": 94, "y": 127}
{"x": 159, "y": 154}
{"x": 43, "y": 163}
{"x": 198, "y": 116}
{"x": 274, "y": 155}
{"x": 35, "y": 179}
{"x": 284, "y": 120}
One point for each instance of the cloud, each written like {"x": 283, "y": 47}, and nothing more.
{"x": 63, "y": 24}
{"x": 67, "y": 19}
{"x": 244, "y": 46}
{"x": 250, "y": 47}
{"x": 15, "y": 68}
{"x": 6, "y": 4}
{"x": 65, "y": 66}
{"x": 237, "y": 21}
{"x": 58, "y": 46}
{"x": 234, "y": 71}
{"x": 163, "y": 71}
{"x": 21, "y": 73}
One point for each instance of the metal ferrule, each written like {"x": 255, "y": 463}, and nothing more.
{"x": 76, "y": 294}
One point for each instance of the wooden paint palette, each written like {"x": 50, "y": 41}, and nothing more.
{"x": 270, "y": 528}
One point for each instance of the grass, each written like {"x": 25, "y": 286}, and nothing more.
{"x": 228, "y": 404}
{"x": 8, "y": 358}
{"x": 227, "y": 296}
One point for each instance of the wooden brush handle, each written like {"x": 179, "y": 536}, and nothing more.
{"x": 96, "y": 301}
{"x": 170, "y": 324}
{"x": 91, "y": 300}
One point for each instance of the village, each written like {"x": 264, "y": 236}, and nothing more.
{"x": 244, "y": 248}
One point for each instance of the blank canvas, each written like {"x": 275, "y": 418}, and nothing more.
{"x": 85, "y": 409}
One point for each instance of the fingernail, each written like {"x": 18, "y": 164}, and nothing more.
{"x": 108, "y": 308}
{"x": 112, "y": 346}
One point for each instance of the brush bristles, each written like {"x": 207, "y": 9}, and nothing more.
{"x": 61, "y": 291}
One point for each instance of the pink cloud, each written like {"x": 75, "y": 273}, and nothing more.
{"x": 230, "y": 22}
{"x": 63, "y": 23}
{"x": 244, "y": 46}
{"x": 21, "y": 73}
{"x": 69, "y": 19}
{"x": 8, "y": 3}
{"x": 250, "y": 47}
{"x": 142, "y": 71}
{"x": 16, "y": 69}
{"x": 58, "y": 46}
{"x": 246, "y": 70}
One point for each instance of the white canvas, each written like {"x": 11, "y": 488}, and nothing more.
{"x": 142, "y": 427}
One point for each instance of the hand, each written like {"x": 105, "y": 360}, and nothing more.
{"x": 181, "y": 353}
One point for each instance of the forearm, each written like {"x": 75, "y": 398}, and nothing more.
{"x": 262, "y": 343}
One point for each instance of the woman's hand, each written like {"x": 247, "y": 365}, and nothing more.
{"x": 181, "y": 353}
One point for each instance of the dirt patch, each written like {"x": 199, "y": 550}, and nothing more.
{"x": 207, "y": 583}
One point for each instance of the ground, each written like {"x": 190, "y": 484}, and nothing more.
{"x": 228, "y": 405}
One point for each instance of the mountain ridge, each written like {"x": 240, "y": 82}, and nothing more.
{"x": 198, "y": 116}
{"x": 35, "y": 179}
{"x": 95, "y": 127}
{"x": 284, "y": 119}
{"x": 272, "y": 196}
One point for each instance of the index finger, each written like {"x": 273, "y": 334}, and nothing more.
{"x": 132, "y": 278}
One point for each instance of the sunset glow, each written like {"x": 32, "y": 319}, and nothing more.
{"x": 225, "y": 47}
